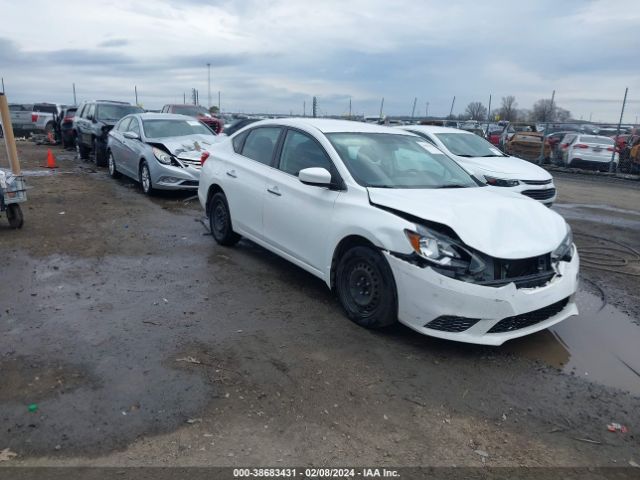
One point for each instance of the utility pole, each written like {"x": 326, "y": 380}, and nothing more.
{"x": 615, "y": 142}
{"x": 135, "y": 89}
{"x": 350, "y": 108}
{"x": 219, "y": 103}
{"x": 315, "y": 107}
{"x": 304, "y": 108}
{"x": 546, "y": 128}
{"x": 413, "y": 110}
{"x": 74, "y": 88}
{"x": 209, "y": 86}
{"x": 453, "y": 102}
{"x": 426, "y": 110}
{"x": 75, "y": 102}
{"x": 184, "y": 98}
{"x": 381, "y": 107}
{"x": 590, "y": 115}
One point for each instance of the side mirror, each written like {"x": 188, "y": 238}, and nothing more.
{"x": 315, "y": 176}
{"x": 131, "y": 135}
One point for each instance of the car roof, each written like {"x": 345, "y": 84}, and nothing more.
{"x": 327, "y": 125}
{"x": 163, "y": 116}
{"x": 435, "y": 129}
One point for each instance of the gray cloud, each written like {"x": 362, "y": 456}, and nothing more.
{"x": 114, "y": 42}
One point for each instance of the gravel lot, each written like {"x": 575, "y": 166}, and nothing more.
{"x": 144, "y": 343}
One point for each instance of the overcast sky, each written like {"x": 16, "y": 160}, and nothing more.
{"x": 271, "y": 56}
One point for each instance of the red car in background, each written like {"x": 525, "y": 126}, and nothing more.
{"x": 196, "y": 111}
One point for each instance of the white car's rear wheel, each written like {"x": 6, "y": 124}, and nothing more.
{"x": 366, "y": 288}
{"x": 220, "y": 221}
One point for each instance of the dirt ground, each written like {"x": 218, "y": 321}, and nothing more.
{"x": 138, "y": 341}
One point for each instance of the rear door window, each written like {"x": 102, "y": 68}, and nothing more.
{"x": 261, "y": 144}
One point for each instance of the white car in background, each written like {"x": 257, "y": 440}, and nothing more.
{"x": 395, "y": 227}
{"x": 594, "y": 151}
{"x": 489, "y": 164}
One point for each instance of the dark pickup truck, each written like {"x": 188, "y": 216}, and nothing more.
{"x": 92, "y": 123}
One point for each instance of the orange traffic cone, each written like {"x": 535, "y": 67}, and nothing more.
{"x": 51, "y": 160}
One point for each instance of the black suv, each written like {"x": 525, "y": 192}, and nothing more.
{"x": 92, "y": 123}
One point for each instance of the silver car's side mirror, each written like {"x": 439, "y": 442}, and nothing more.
{"x": 315, "y": 176}
{"x": 131, "y": 135}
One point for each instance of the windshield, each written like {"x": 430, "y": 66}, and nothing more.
{"x": 466, "y": 145}
{"x": 173, "y": 128}
{"x": 388, "y": 160}
{"x": 115, "y": 112}
{"x": 191, "y": 110}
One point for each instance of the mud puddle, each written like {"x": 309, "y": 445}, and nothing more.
{"x": 601, "y": 345}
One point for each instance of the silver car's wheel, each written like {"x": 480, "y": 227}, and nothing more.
{"x": 113, "y": 171}
{"x": 145, "y": 179}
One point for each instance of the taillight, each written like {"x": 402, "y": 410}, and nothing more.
{"x": 580, "y": 145}
{"x": 610, "y": 149}
{"x": 203, "y": 158}
{"x": 564, "y": 145}
{"x": 34, "y": 117}
{"x": 67, "y": 119}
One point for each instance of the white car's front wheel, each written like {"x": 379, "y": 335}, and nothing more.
{"x": 366, "y": 288}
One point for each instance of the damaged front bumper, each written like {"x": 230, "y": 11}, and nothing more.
{"x": 443, "y": 307}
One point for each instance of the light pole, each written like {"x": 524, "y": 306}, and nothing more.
{"x": 209, "y": 84}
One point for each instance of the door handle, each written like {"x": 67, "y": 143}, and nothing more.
{"x": 274, "y": 191}
{"x": 232, "y": 173}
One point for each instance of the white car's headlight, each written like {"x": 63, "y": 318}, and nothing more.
{"x": 563, "y": 252}
{"x": 163, "y": 157}
{"x": 443, "y": 251}
{"x": 501, "y": 182}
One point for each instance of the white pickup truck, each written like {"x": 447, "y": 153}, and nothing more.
{"x": 38, "y": 117}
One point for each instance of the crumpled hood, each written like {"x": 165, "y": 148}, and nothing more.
{"x": 188, "y": 146}
{"x": 501, "y": 224}
{"x": 509, "y": 167}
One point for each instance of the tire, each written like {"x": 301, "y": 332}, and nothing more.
{"x": 145, "y": 179}
{"x": 366, "y": 288}
{"x": 83, "y": 151}
{"x": 98, "y": 155}
{"x": 14, "y": 215}
{"x": 220, "y": 221}
{"x": 111, "y": 164}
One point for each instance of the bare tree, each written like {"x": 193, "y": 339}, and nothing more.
{"x": 545, "y": 111}
{"x": 476, "y": 111}
{"x": 509, "y": 109}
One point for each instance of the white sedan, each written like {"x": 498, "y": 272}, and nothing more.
{"x": 489, "y": 164}
{"x": 396, "y": 228}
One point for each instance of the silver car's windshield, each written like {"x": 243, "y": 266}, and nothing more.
{"x": 387, "y": 160}
{"x": 173, "y": 128}
{"x": 465, "y": 145}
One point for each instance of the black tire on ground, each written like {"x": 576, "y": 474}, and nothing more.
{"x": 144, "y": 177}
{"x": 111, "y": 164}
{"x": 366, "y": 288}
{"x": 98, "y": 154}
{"x": 220, "y": 221}
{"x": 14, "y": 215}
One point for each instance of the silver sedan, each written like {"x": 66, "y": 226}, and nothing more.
{"x": 161, "y": 151}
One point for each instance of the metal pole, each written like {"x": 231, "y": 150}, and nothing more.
{"x": 135, "y": 89}
{"x": 615, "y": 141}
{"x": 381, "y": 107}
{"x": 350, "y": 108}
{"x": 219, "y": 103}
{"x": 413, "y": 110}
{"x": 426, "y": 112}
{"x": 304, "y": 108}
{"x": 209, "y": 86}
{"x": 184, "y": 98}
{"x": 488, "y": 115}
{"x": 75, "y": 102}
{"x": 3, "y": 85}
{"x": 452, "y": 104}
{"x": 546, "y": 128}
